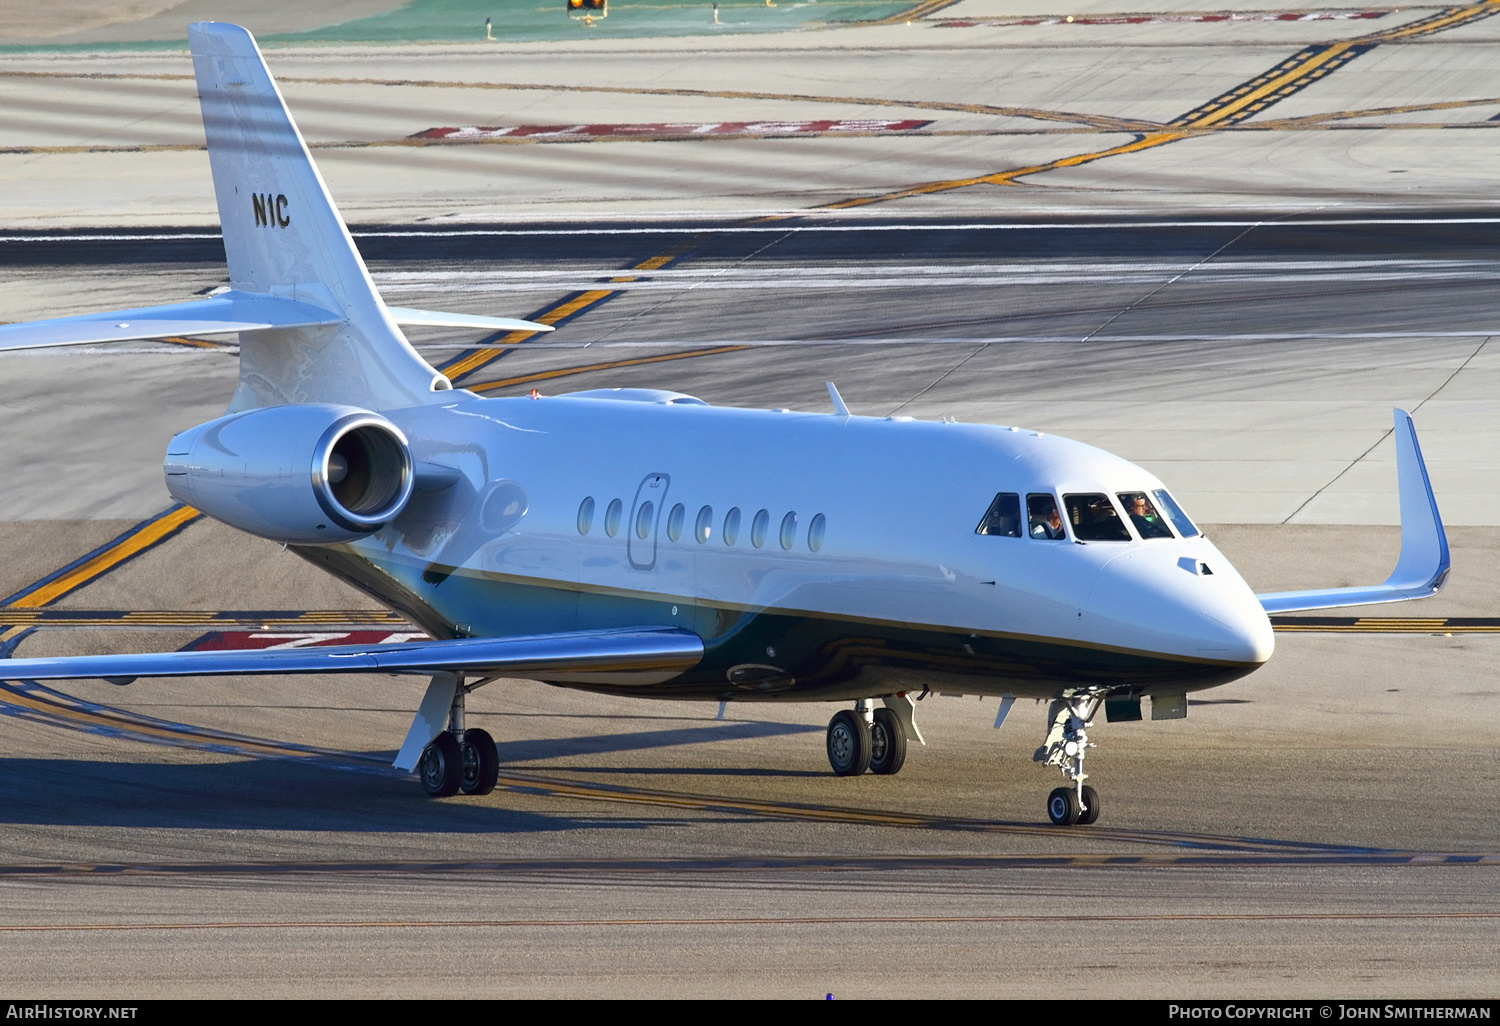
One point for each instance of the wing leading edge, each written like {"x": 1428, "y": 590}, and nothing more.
{"x": 630, "y": 655}
{"x": 1421, "y": 569}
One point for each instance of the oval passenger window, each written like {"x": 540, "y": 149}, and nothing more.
{"x": 732, "y": 526}
{"x": 704, "y": 528}
{"x": 586, "y": 515}
{"x": 789, "y": 530}
{"x": 645, "y": 520}
{"x": 612, "y": 517}
{"x": 758, "y": 528}
{"x": 815, "y": 532}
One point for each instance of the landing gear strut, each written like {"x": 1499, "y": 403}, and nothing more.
{"x": 1067, "y": 743}
{"x": 460, "y": 759}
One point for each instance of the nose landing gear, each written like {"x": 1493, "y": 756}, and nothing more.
{"x": 1065, "y": 747}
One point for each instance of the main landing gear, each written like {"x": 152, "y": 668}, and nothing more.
{"x": 869, "y": 738}
{"x": 459, "y": 759}
{"x": 1067, "y": 742}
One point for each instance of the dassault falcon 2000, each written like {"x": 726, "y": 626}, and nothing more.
{"x": 646, "y": 543}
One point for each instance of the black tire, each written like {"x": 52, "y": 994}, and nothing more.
{"x": 1062, "y": 806}
{"x": 481, "y": 763}
{"x": 848, "y": 744}
{"x": 887, "y": 743}
{"x": 441, "y": 766}
{"x": 1090, "y": 811}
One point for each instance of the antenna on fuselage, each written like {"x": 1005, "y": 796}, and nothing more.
{"x": 839, "y": 409}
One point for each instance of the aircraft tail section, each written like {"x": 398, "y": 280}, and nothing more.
{"x": 285, "y": 238}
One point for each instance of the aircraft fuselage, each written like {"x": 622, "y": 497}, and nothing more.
{"x": 819, "y": 557}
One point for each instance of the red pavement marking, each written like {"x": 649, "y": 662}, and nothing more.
{"x": 676, "y": 128}
{"x": 222, "y": 640}
{"x": 1161, "y": 19}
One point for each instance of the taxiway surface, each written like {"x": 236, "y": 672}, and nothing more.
{"x": 1324, "y": 826}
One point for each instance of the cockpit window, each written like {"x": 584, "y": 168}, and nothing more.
{"x": 1094, "y": 518}
{"x": 1168, "y": 505}
{"x": 1003, "y": 517}
{"x": 1148, "y": 523}
{"x": 1042, "y": 518}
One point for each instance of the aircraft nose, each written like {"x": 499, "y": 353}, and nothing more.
{"x": 1157, "y": 599}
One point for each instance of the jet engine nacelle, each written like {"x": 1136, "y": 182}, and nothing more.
{"x": 304, "y": 474}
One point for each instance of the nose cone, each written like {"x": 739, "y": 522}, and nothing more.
{"x": 1156, "y": 598}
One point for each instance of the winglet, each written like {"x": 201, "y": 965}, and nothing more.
{"x": 1422, "y": 568}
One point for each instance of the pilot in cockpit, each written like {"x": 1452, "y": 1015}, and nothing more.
{"x": 1046, "y": 521}
{"x": 1143, "y": 515}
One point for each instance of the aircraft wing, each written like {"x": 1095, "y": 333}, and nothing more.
{"x": 409, "y": 318}
{"x": 1421, "y": 569}
{"x": 226, "y": 313}
{"x": 647, "y": 652}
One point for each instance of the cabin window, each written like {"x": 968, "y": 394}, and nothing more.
{"x": 645, "y": 519}
{"x": 732, "y": 526}
{"x": 815, "y": 532}
{"x": 1148, "y": 523}
{"x": 586, "y": 515}
{"x": 675, "y": 520}
{"x": 1168, "y": 505}
{"x": 789, "y": 530}
{"x": 758, "y": 528}
{"x": 1003, "y": 518}
{"x": 1094, "y": 518}
{"x": 704, "y": 528}
{"x": 1043, "y": 520}
{"x": 612, "y": 517}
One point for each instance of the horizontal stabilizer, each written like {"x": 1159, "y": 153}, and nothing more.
{"x": 409, "y": 318}
{"x": 228, "y": 312}
{"x": 1421, "y": 569}
{"x": 660, "y": 651}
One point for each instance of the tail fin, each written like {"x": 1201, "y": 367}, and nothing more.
{"x": 284, "y": 237}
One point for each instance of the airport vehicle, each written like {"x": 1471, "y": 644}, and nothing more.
{"x": 646, "y": 543}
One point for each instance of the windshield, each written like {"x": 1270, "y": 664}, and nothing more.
{"x": 1094, "y": 518}
{"x": 1148, "y": 523}
{"x": 1003, "y": 517}
{"x": 1168, "y": 505}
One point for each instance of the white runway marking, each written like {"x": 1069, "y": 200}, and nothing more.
{"x": 930, "y": 276}
{"x": 916, "y": 226}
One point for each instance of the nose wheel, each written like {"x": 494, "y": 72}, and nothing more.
{"x": 1067, "y": 806}
{"x": 1065, "y": 747}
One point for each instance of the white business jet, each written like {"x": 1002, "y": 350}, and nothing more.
{"x": 646, "y": 543}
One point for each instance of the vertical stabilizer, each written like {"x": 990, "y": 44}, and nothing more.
{"x": 284, "y": 237}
